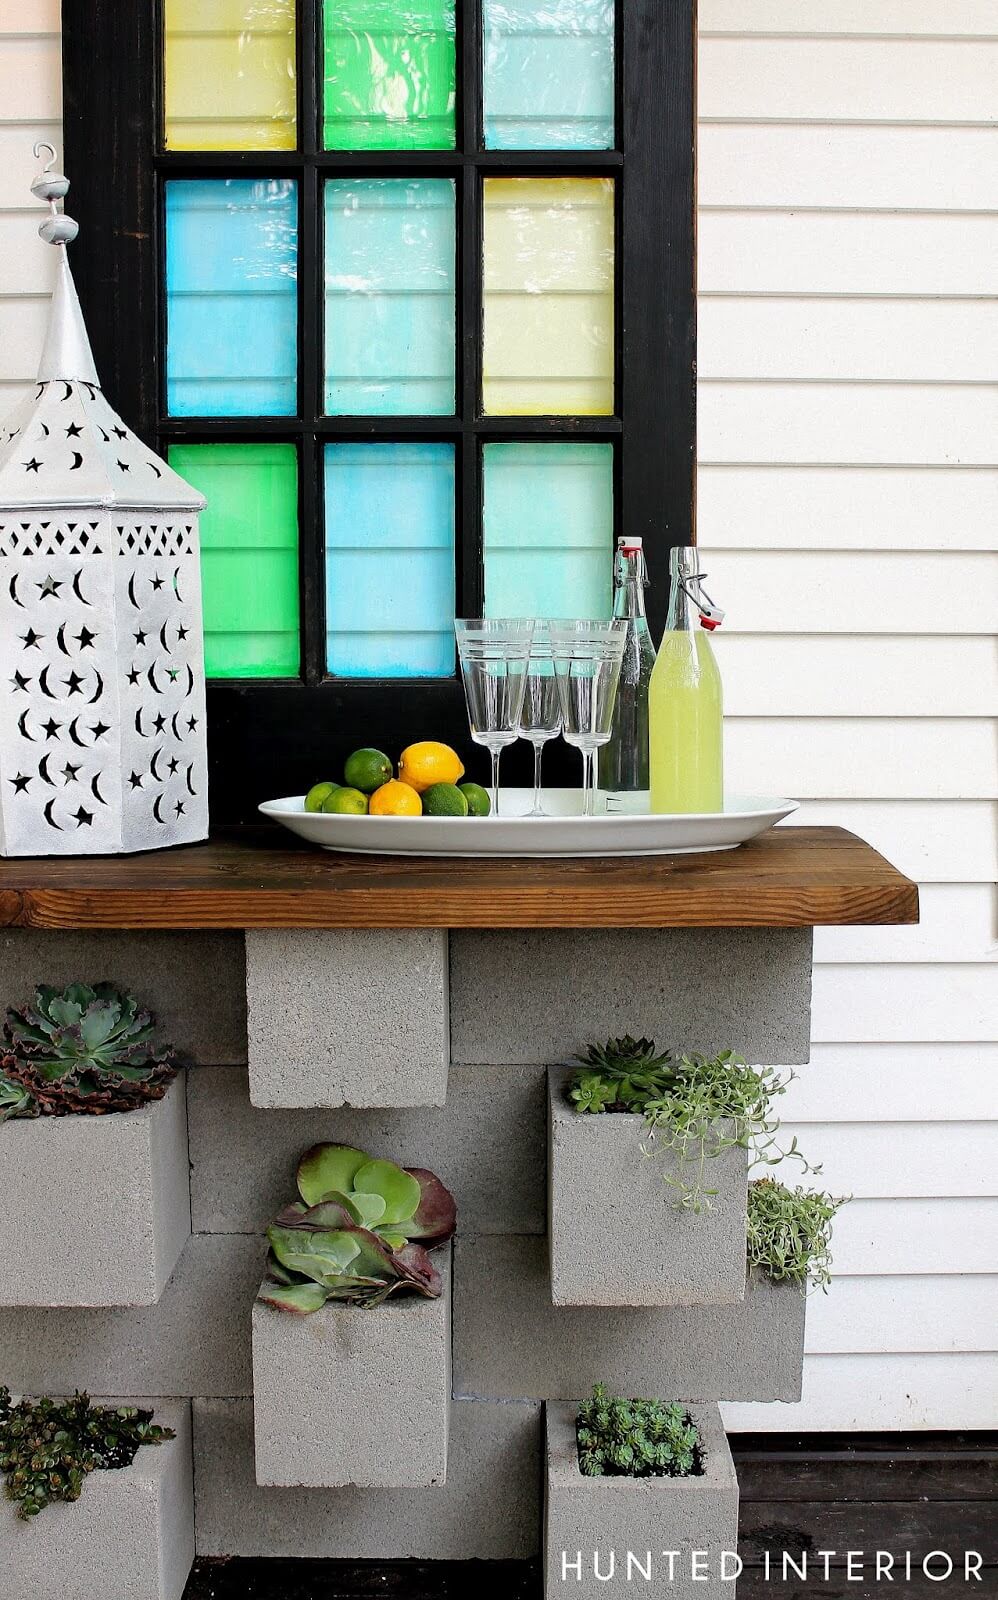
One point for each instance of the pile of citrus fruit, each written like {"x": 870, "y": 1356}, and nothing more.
{"x": 428, "y": 784}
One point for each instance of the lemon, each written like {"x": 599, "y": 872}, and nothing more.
{"x": 427, "y": 763}
{"x": 367, "y": 770}
{"x": 346, "y": 803}
{"x": 444, "y": 800}
{"x": 317, "y": 794}
{"x": 479, "y": 804}
{"x": 395, "y": 799}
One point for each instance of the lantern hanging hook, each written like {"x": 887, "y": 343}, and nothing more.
{"x": 53, "y": 186}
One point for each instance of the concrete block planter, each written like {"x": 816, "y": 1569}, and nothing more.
{"x": 601, "y": 1533}
{"x": 616, "y": 1238}
{"x": 353, "y": 1395}
{"x": 131, "y": 1532}
{"x": 98, "y": 1208}
{"x": 357, "y": 1018}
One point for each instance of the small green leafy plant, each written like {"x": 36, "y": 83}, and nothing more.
{"x": 694, "y": 1106}
{"x": 789, "y": 1233}
{"x": 81, "y": 1049}
{"x": 636, "y": 1438}
{"x": 361, "y": 1231}
{"x": 47, "y": 1447}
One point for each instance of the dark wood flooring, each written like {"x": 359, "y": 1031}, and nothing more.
{"x": 909, "y": 1492}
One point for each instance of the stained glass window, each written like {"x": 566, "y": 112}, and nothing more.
{"x": 229, "y": 75}
{"x": 548, "y": 516}
{"x": 549, "y": 78}
{"x": 390, "y": 74}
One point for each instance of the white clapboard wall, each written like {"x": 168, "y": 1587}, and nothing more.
{"x": 849, "y": 507}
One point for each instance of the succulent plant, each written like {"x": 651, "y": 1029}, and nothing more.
{"x": 361, "y": 1231}
{"x": 789, "y": 1233}
{"x": 619, "y": 1076}
{"x": 48, "y": 1447}
{"x": 636, "y": 1438}
{"x": 82, "y": 1049}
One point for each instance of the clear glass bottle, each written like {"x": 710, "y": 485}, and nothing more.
{"x": 623, "y": 763}
{"x": 685, "y": 700}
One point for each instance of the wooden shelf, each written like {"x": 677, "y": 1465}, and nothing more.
{"x": 789, "y": 878}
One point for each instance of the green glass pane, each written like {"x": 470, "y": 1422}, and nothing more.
{"x": 249, "y": 556}
{"x": 390, "y": 75}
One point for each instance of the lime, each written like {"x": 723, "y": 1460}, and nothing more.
{"x": 367, "y": 770}
{"x": 479, "y": 804}
{"x": 346, "y": 803}
{"x": 444, "y": 800}
{"x": 317, "y": 794}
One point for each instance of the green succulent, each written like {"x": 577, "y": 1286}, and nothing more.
{"x": 619, "y": 1076}
{"x": 48, "y": 1447}
{"x": 361, "y": 1231}
{"x": 82, "y": 1049}
{"x": 636, "y": 1438}
{"x": 789, "y": 1233}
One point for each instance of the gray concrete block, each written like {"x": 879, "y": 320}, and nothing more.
{"x": 616, "y": 1235}
{"x": 543, "y": 995}
{"x": 510, "y": 1342}
{"x": 488, "y": 1510}
{"x": 195, "y": 1341}
{"x": 353, "y": 1395}
{"x": 597, "y": 1528}
{"x": 355, "y": 1017}
{"x": 98, "y": 1208}
{"x": 131, "y": 1533}
{"x": 193, "y": 982}
{"x": 487, "y": 1145}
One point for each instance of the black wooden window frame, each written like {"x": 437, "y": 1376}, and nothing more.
{"x": 275, "y": 736}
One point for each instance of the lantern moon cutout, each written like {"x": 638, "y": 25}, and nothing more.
{"x": 155, "y": 809}
{"x": 163, "y": 640}
{"x": 77, "y": 461}
{"x": 22, "y": 728}
{"x": 95, "y": 791}
{"x": 43, "y": 771}
{"x": 77, "y": 590}
{"x": 138, "y": 725}
{"x": 74, "y": 735}
{"x": 190, "y": 681}
{"x": 99, "y": 689}
{"x": 43, "y": 684}
{"x": 131, "y": 592}
{"x": 151, "y": 675}
{"x": 190, "y": 786}
{"x": 176, "y": 731}
{"x": 12, "y": 590}
{"x": 152, "y": 765}
{"x": 69, "y": 391}
{"x": 176, "y": 585}
{"x": 60, "y": 639}
{"x": 49, "y": 817}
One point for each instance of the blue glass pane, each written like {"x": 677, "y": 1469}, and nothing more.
{"x": 548, "y": 530}
{"x": 231, "y": 271}
{"x": 390, "y": 270}
{"x": 390, "y": 560}
{"x": 549, "y": 74}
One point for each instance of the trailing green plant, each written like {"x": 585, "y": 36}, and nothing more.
{"x": 48, "y": 1447}
{"x": 81, "y": 1049}
{"x": 619, "y": 1076}
{"x": 636, "y": 1438}
{"x": 362, "y": 1230}
{"x": 789, "y": 1233}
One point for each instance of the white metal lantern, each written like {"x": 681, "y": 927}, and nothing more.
{"x": 102, "y": 692}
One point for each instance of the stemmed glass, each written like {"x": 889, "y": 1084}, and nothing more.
{"x": 494, "y": 654}
{"x": 587, "y": 659}
{"x": 541, "y": 717}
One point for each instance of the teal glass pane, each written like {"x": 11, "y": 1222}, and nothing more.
{"x": 548, "y": 530}
{"x": 231, "y": 297}
{"x": 390, "y": 560}
{"x": 549, "y": 74}
{"x": 390, "y": 316}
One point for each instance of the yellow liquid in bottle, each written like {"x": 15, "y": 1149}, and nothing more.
{"x": 685, "y": 715}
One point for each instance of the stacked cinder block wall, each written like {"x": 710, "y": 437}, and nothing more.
{"x": 506, "y": 1005}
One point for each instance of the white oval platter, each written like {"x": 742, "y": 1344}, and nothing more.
{"x": 565, "y": 832}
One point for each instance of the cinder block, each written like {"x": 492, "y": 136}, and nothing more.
{"x": 616, "y": 1236}
{"x": 131, "y": 1533}
{"x": 488, "y": 1145}
{"x": 195, "y": 1341}
{"x": 488, "y": 1510}
{"x": 510, "y": 1342}
{"x": 543, "y": 995}
{"x": 356, "y": 1017}
{"x": 98, "y": 1208}
{"x": 596, "y": 1529}
{"x": 193, "y": 982}
{"x": 354, "y": 1395}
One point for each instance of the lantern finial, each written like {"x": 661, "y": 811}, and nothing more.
{"x": 67, "y": 353}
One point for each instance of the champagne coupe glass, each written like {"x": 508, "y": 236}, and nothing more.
{"x": 541, "y": 718}
{"x": 494, "y": 654}
{"x": 587, "y": 659}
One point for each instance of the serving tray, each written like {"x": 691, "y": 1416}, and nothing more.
{"x": 565, "y": 832}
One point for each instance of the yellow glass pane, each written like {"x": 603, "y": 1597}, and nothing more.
{"x": 548, "y": 290}
{"x": 230, "y": 75}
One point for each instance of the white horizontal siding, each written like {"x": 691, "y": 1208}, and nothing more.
{"x": 30, "y": 108}
{"x": 848, "y": 505}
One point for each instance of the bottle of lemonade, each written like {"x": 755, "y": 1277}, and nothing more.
{"x": 685, "y": 702}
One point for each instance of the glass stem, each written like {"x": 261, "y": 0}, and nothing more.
{"x": 495, "y": 754}
{"x": 538, "y": 758}
{"x": 587, "y": 781}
